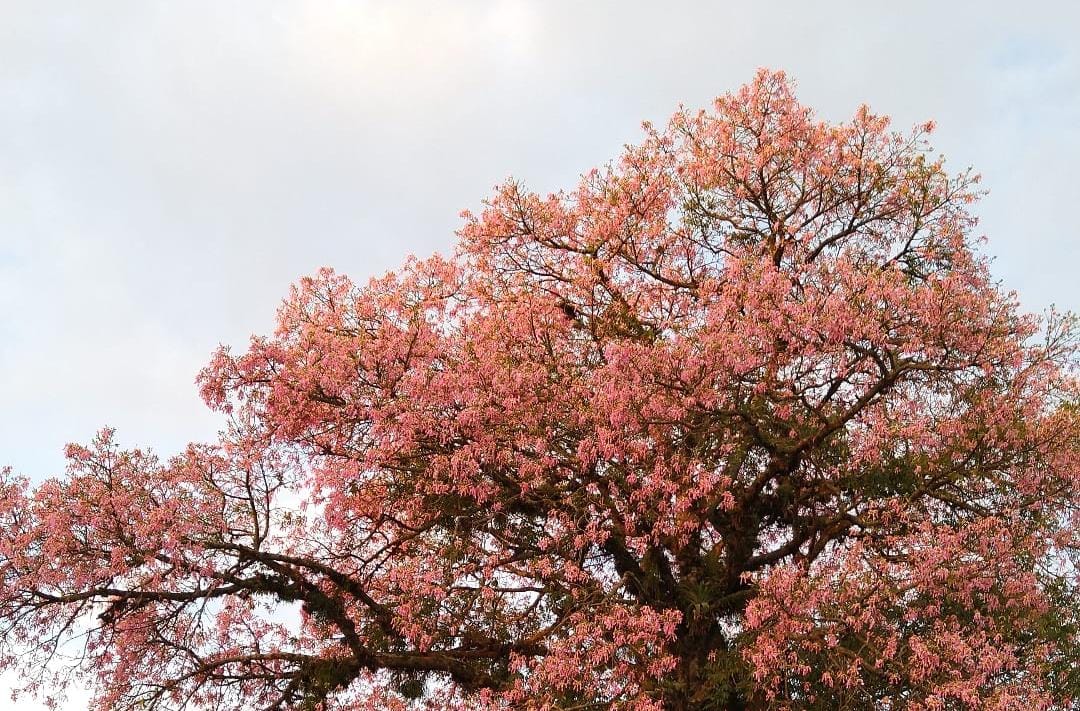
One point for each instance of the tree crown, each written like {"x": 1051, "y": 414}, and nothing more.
{"x": 741, "y": 422}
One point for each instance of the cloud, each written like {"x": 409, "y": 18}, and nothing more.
{"x": 166, "y": 170}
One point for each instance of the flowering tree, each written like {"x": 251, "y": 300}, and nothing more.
{"x": 741, "y": 422}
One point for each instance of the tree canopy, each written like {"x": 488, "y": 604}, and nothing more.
{"x": 740, "y": 422}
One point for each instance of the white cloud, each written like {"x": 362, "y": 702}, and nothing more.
{"x": 167, "y": 169}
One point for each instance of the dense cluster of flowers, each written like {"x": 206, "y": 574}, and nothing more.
{"x": 741, "y": 422}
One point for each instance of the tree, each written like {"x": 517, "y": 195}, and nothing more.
{"x": 741, "y": 422}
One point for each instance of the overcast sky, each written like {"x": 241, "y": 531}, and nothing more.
{"x": 167, "y": 169}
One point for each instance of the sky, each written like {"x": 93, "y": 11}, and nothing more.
{"x": 168, "y": 169}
